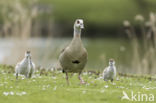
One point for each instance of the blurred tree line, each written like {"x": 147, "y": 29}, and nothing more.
{"x": 56, "y": 17}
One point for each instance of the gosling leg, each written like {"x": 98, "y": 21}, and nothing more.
{"x": 16, "y": 76}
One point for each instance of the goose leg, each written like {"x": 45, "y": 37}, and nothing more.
{"x": 81, "y": 80}
{"x": 67, "y": 78}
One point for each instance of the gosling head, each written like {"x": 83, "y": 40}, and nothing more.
{"x": 28, "y": 55}
{"x": 79, "y": 24}
{"x": 111, "y": 62}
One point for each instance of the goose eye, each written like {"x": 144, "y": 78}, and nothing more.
{"x": 78, "y": 22}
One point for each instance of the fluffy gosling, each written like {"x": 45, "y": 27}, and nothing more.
{"x": 26, "y": 66}
{"x": 109, "y": 73}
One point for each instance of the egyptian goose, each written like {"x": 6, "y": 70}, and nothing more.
{"x": 110, "y": 72}
{"x": 74, "y": 57}
{"x": 25, "y": 67}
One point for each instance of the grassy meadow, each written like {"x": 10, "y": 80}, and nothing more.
{"x": 52, "y": 88}
{"x": 124, "y": 30}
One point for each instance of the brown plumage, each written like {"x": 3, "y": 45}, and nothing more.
{"x": 74, "y": 57}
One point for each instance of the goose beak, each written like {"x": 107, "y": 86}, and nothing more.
{"x": 82, "y": 26}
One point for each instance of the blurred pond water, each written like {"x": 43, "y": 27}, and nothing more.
{"x": 45, "y": 52}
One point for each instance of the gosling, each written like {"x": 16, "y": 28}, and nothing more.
{"x": 110, "y": 72}
{"x": 26, "y": 67}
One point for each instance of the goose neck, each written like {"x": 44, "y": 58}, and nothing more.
{"x": 77, "y": 32}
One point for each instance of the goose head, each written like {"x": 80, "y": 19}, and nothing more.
{"x": 28, "y": 55}
{"x": 111, "y": 62}
{"x": 78, "y": 24}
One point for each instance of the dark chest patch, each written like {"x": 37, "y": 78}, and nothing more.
{"x": 75, "y": 61}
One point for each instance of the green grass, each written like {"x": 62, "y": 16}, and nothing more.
{"x": 53, "y": 88}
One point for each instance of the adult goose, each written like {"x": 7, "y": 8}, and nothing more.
{"x": 26, "y": 66}
{"x": 74, "y": 57}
